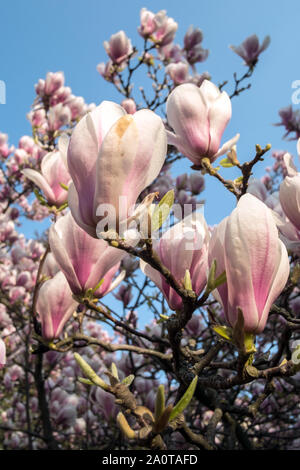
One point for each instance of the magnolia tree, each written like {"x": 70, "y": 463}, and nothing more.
{"x": 197, "y": 346}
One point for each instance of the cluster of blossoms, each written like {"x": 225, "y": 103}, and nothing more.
{"x": 213, "y": 298}
{"x": 55, "y": 106}
{"x": 158, "y": 31}
{"x": 55, "y": 109}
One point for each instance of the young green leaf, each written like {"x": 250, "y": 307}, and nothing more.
{"x": 90, "y": 373}
{"x": 226, "y": 163}
{"x": 164, "y": 419}
{"x": 184, "y": 400}
{"x": 220, "y": 280}
{"x": 187, "y": 282}
{"x": 114, "y": 370}
{"x": 64, "y": 186}
{"x": 160, "y": 402}
{"x": 162, "y": 210}
{"x": 211, "y": 276}
{"x": 85, "y": 381}
{"x": 224, "y": 331}
{"x": 128, "y": 380}
{"x": 98, "y": 285}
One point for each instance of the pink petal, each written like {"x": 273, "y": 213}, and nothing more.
{"x": 83, "y": 151}
{"x": 55, "y": 305}
{"x": 41, "y": 182}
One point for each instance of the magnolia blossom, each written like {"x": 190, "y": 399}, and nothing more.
{"x": 59, "y": 115}
{"x": 182, "y": 248}
{"x": 61, "y": 95}
{"x": 124, "y": 295}
{"x": 285, "y": 208}
{"x": 2, "y": 354}
{"x": 170, "y": 53}
{"x": 85, "y": 261}
{"x": 118, "y": 48}
{"x": 193, "y": 49}
{"x": 129, "y": 105}
{"x": 178, "y": 72}
{"x": 112, "y": 158}
{"x": 198, "y": 117}
{"x": 192, "y": 37}
{"x": 54, "y": 171}
{"x": 5, "y": 150}
{"x": 150, "y": 22}
{"x": 55, "y": 305}
{"x": 250, "y": 49}
{"x": 107, "y": 70}
{"x": 52, "y": 83}
{"x": 246, "y": 245}
{"x": 290, "y": 119}
{"x": 289, "y": 192}
{"x": 158, "y": 27}
{"x": 166, "y": 30}
{"x": 77, "y": 106}
{"x": 197, "y": 54}
{"x": 196, "y": 183}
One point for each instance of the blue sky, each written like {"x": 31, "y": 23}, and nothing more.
{"x": 40, "y": 36}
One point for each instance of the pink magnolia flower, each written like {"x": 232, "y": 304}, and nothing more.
{"x": 84, "y": 260}
{"x": 289, "y": 192}
{"x": 170, "y": 53}
{"x": 195, "y": 326}
{"x": 193, "y": 49}
{"x": 5, "y": 150}
{"x": 55, "y": 305}
{"x": 129, "y": 105}
{"x": 40, "y": 87}
{"x": 54, "y": 80}
{"x": 197, "y": 54}
{"x": 124, "y": 295}
{"x": 112, "y": 158}
{"x": 149, "y": 22}
{"x": 246, "y": 245}
{"x": 196, "y": 183}
{"x": 290, "y": 119}
{"x": 192, "y": 37}
{"x": 284, "y": 206}
{"x": 107, "y": 70}
{"x": 24, "y": 279}
{"x": 2, "y": 354}
{"x": 53, "y": 172}
{"x": 198, "y": 117}
{"x": 17, "y": 293}
{"x": 61, "y": 95}
{"x": 178, "y": 72}
{"x": 27, "y": 143}
{"x": 77, "y": 106}
{"x": 106, "y": 403}
{"x": 59, "y": 116}
{"x": 165, "y": 31}
{"x": 118, "y": 48}
{"x": 37, "y": 117}
{"x": 183, "y": 247}
{"x": 250, "y": 49}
